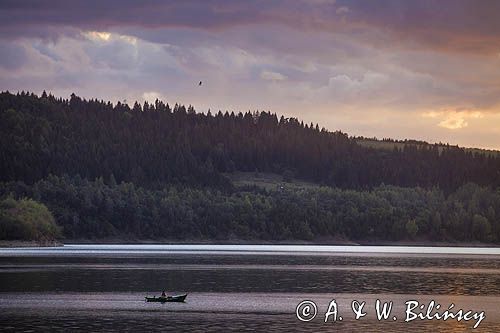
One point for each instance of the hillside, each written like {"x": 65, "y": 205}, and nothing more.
{"x": 155, "y": 144}
{"x": 159, "y": 172}
{"x": 268, "y": 181}
{"x": 389, "y": 144}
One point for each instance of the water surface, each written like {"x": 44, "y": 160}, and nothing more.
{"x": 239, "y": 288}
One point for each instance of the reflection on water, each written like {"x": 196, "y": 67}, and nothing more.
{"x": 445, "y": 275}
{"x": 247, "y": 249}
{"x": 251, "y": 280}
{"x": 99, "y": 288}
{"x": 221, "y": 312}
{"x": 151, "y": 322}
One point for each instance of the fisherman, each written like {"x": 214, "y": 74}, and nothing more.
{"x": 163, "y": 294}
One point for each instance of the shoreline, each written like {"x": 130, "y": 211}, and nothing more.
{"x": 334, "y": 242}
{"x": 15, "y": 243}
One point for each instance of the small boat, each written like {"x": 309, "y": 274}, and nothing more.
{"x": 163, "y": 299}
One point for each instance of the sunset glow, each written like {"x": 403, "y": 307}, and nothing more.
{"x": 422, "y": 69}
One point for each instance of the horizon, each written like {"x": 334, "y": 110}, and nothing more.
{"x": 425, "y": 70}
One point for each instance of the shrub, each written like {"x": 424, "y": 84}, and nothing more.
{"x": 26, "y": 219}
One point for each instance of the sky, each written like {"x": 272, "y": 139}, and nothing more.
{"x": 427, "y": 70}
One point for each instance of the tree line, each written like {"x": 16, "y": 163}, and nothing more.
{"x": 99, "y": 209}
{"x": 154, "y": 144}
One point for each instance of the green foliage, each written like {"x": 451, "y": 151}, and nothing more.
{"x": 287, "y": 176}
{"x": 156, "y": 171}
{"x": 411, "y": 228}
{"x": 96, "y": 209}
{"x": 481, "y": 228}
{"x": 26, "y": 219}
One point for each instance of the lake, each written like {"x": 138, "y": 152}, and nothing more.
{"x": 244, "y": 287}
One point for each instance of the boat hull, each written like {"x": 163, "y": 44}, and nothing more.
{"x": 176, "y": 298}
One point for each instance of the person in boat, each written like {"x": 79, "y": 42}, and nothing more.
{"x": 163, "y": 294}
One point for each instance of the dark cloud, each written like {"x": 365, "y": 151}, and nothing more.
{"x": 12, "y": 56}
{"x": 458, "y": 25}
{"x": 101, "y": 15}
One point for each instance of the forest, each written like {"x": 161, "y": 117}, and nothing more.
{"x": 155, "y": 171}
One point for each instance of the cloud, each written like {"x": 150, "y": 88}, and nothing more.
{"x": 448, "y": 25}
{"x": 12, "y": 55}
{"x": 454, "y": 119}
{"x": 96, "y": 35}
{"x": 151, "y": 96}
{"x": 272, "y": 76}
{"x": 342, "y": 10}
{"x": 360, "y": 66}
{"x": 320, "y": 2}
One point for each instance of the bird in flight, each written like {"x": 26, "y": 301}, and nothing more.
{"x": 199, "y": 84}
